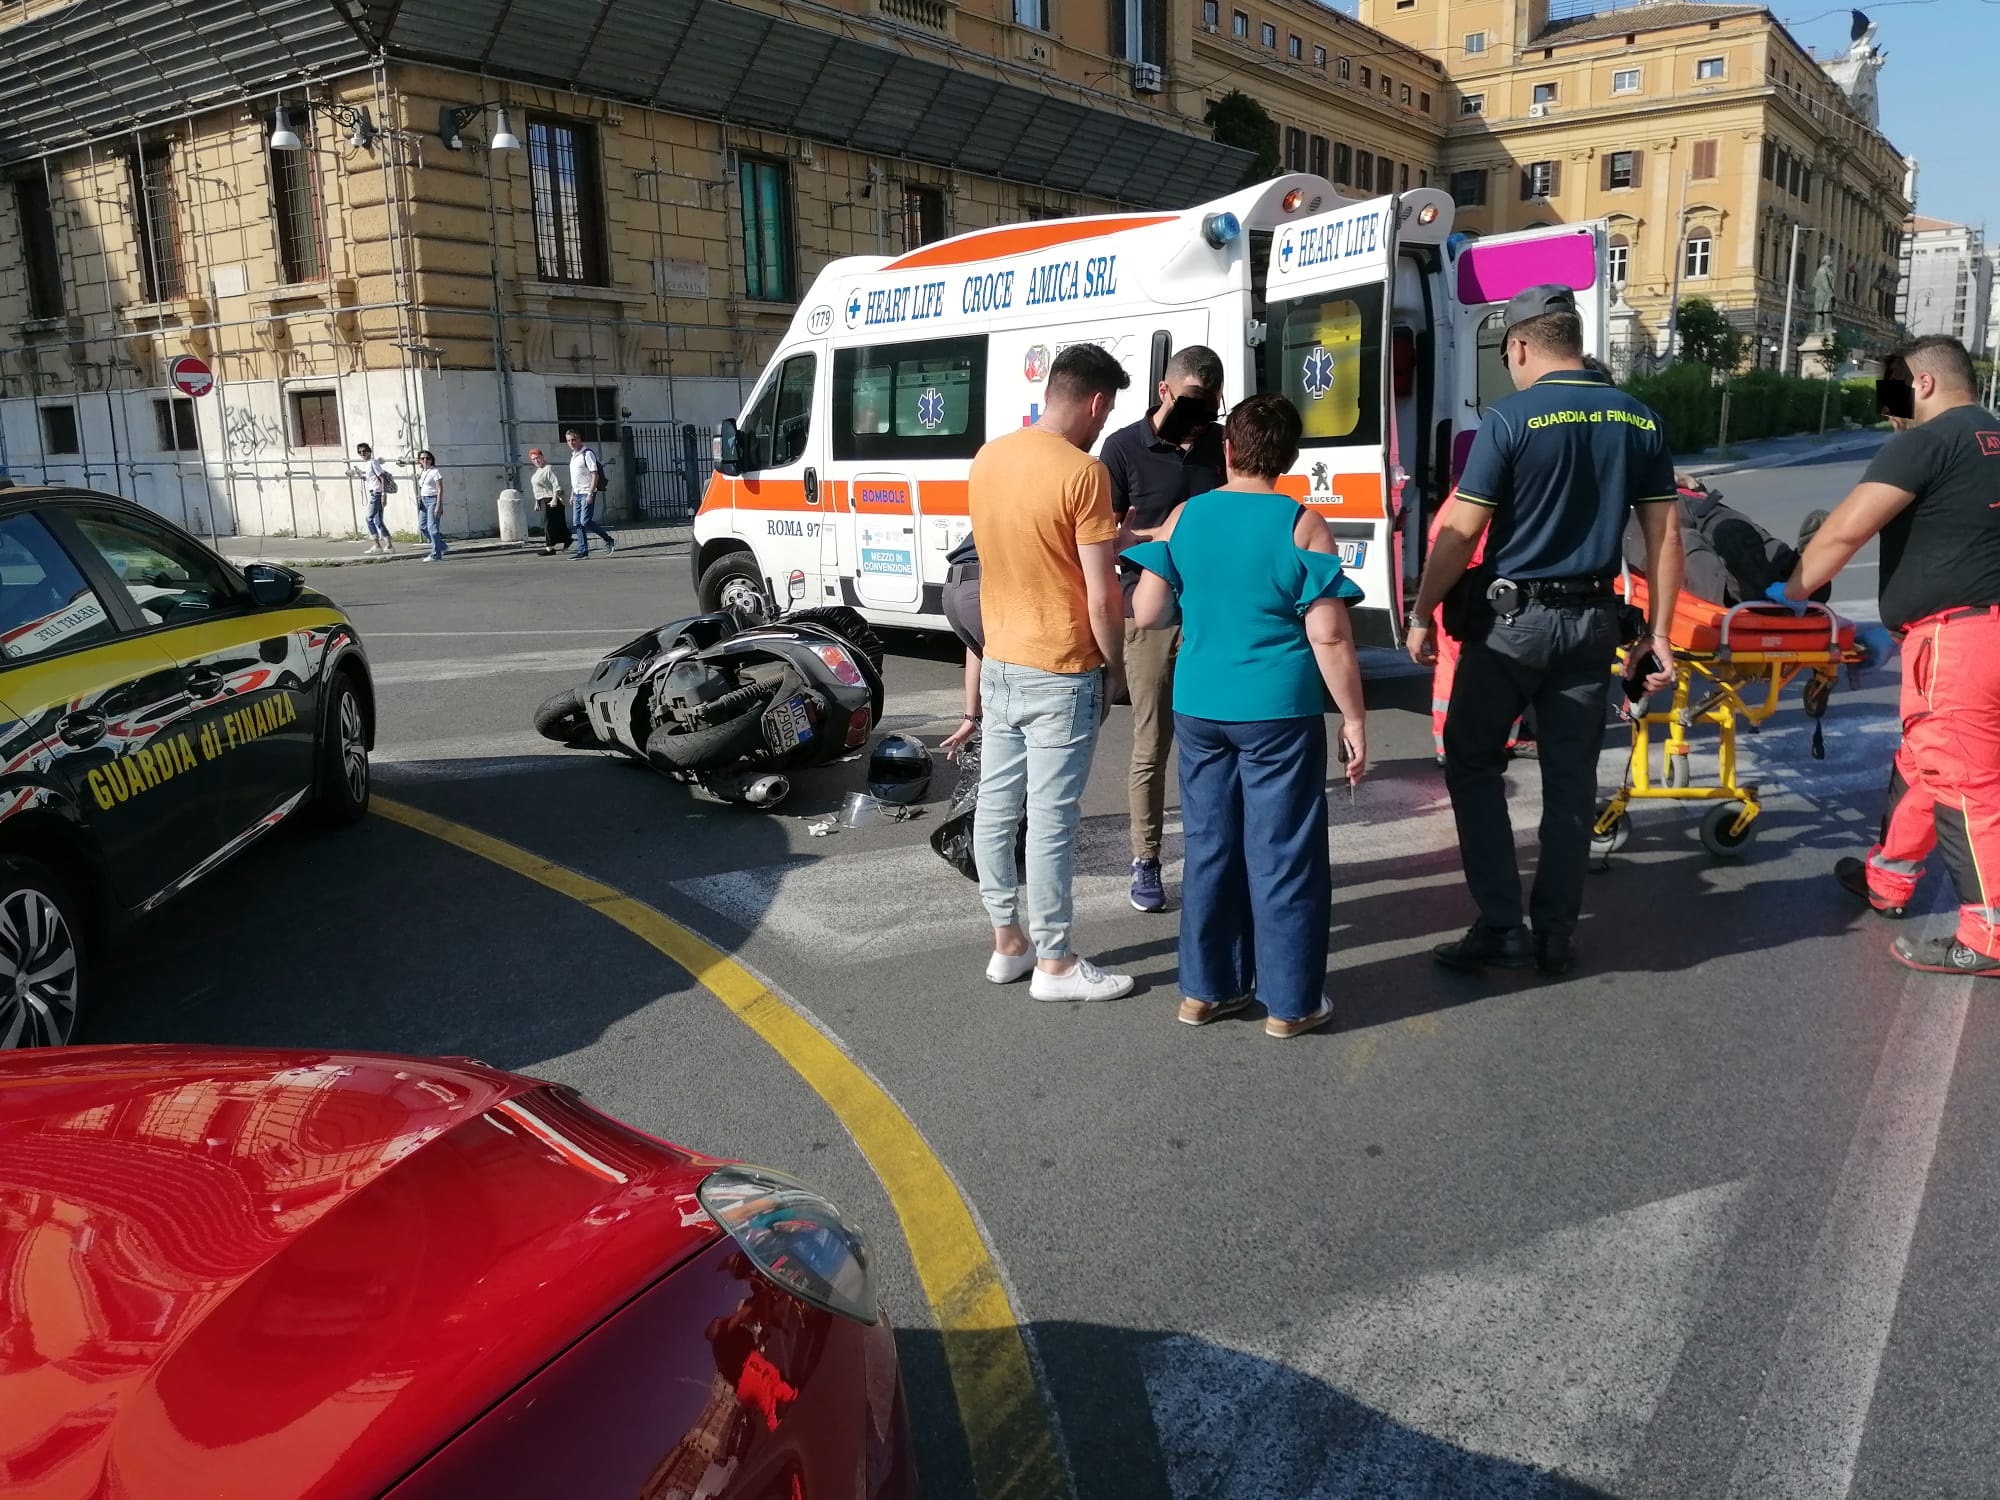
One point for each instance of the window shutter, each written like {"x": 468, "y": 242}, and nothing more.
{"x": 1118, "y": 28}
{"x": 1638, "y": 166}
{"x": 1555, "y": 179}
{"x": 1527, "y": 183}
{"x": 1604, "y": 176}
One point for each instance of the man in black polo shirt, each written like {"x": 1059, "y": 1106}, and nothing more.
{"x": 1171, "y": 454}
{"x": 1933, "y": 495}
{"x": 1555, "y": 471}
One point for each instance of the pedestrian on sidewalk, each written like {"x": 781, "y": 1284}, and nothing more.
{"x": 547, "y": 487}
{"x": 379, "y": 484}
{"x": 430, "y": 504}
{"x": 1254, "y": 580}
{"x": 1930, "y": 494}
{"x": 1054, "y": 618}
{"x": 586, "y": 483}
{"x": 1554, "y": 472}
{"x": 1171, "y": 454}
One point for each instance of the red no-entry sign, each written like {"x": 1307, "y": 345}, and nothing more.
{"x": 191, "y": 376}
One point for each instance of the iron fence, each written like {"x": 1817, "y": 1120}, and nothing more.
{"x": 668, "y": 465}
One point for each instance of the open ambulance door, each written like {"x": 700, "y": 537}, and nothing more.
{"x": 1484, "y": 276}
{"x": 1326, "y": 348}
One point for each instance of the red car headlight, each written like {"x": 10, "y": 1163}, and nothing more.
{"x": 794, "y": 1236}
{"x": 839, "y": 663}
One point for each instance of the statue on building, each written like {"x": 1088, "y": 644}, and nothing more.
{"x": 1822, "y": 296}
{"x": 1855, "y": 69}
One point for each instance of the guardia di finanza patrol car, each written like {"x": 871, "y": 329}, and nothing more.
{"x": 160, "y": 710}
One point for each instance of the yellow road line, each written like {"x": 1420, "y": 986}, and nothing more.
{"x": 1007, "y": 1427}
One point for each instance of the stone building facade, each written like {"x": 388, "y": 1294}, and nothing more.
{"x": 1704, "y": 132}
{"x": 500, "y": 221}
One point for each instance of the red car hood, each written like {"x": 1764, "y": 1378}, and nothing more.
{"x": 268, "y": 1275}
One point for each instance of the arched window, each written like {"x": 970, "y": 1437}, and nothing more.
{"x": 1618, "y": 262}
{"x": 1699, "y": 254}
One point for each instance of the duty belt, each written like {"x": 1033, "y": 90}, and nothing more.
{"x": 1566, "y": 590}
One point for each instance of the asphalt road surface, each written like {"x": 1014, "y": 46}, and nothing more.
{"x": 1714, "y": 1216}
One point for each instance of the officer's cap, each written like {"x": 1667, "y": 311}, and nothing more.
{"x": 1536, "y": 300}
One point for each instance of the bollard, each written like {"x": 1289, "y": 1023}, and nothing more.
{"x": 513, "y": 508}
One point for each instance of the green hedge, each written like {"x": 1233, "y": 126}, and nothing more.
{"x": 1762, "y": 404}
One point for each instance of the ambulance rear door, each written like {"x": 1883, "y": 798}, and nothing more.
{"x": 907, "y": 418}
{"x": 1326, "y": 349}
{"x": 1484, "y": 276}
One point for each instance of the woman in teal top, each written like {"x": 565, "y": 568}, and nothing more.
{"x": 1256, "y": 582}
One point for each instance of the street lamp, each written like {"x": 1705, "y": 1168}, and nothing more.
{"x": 453, "y": 118}
{"x": 359, "y": 123}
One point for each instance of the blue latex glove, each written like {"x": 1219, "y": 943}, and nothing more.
{"x": 1877, "y": 642}
{"x": 1776, "y": 594}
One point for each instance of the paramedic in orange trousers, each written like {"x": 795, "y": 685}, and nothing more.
{"x": 1933, "y": 495}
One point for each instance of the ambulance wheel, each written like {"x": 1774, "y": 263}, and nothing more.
{"x": 1604, "y": 845}
{"x": 1716, "y": 837}
{"x": 1678, "y": 774}
{"x": 732, "y": 582}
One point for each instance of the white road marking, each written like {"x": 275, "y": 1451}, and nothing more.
{"x": 1805, "y": 1432}
{"x": 1474, "y": 1382}
{"x": 469, "y": 748}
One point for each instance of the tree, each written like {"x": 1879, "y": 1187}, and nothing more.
{"x": 1240, "y": 121}
{"x": 1840, "y": 349}
{"x": 1706, "y": 337}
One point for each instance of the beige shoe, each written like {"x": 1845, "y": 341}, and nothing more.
{"x": 1284, "y": 1029}
{"x": 1201, "y": 1012}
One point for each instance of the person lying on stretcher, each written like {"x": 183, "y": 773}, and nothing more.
{"x": 1730, "y": 558}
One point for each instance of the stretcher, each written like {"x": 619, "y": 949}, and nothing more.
{"x": 1731, "y": 668}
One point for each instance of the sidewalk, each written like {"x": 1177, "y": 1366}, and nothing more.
{"x": 1778, "y": 453}
{"x": 337, "y": 552}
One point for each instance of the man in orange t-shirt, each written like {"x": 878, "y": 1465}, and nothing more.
{"x": 1055, "y": 637}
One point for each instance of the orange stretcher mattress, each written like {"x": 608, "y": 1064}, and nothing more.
{"x": 1756, "y": 630}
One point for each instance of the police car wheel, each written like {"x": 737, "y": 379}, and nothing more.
{"x": 42, "y": 958}
{"x": 1716, "y": 837}
{"x": 343, "y": 758}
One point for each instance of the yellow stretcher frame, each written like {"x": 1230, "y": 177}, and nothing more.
{"x": 1729, "y": 683}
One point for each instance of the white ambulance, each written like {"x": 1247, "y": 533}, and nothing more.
{"x": 844, "y": 481}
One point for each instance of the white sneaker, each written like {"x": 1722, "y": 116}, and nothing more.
{"x": 1084, "y": 981}
{"x": 1005, "y": 968}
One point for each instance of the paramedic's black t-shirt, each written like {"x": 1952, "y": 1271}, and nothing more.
{"x": 1943, "y": 550}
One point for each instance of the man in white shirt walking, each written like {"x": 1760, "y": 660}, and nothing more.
{"x": 376, "y": 481}
{"x": 586, "y": 477}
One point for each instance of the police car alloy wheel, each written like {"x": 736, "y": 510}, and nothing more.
{"x": 41, "y": 959}
{"x": 342, "y": 797}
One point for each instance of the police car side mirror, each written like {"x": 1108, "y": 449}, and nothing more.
{"x": 728, "y": 448}
{"x": 272, "y": 586}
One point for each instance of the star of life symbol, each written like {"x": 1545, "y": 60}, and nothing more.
{"x": 930, "y": 408}
{"x": 1318, "y": 373}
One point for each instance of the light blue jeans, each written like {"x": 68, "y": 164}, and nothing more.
{"x": 430, "y": 525}
{"x": 583, "y": 521}
{"x": 378, "y": 529}
{"x": 1041, "y": 730}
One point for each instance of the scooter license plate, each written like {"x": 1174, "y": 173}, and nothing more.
{"x": 792, "y": 720}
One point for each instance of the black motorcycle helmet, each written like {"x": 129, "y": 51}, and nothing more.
{"x": 899, "y": 770}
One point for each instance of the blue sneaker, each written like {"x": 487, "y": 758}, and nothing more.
{"x": 1149, "y": 892}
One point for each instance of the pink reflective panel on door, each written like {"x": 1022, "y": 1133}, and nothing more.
{"x": 1493, "y": 273}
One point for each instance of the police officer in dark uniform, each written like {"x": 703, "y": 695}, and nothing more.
{"x": 1555, "y": 471}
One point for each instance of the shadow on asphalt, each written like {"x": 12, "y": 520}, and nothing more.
{"x": 1165, "y": 1415}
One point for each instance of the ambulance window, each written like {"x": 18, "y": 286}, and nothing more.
{"x": 45, "y": 605}
{"x": 1327, "y": 353}
{"x": 1490, "y": 378}
{"x": 775, "y": 432}
{"x": 916, "y": 400}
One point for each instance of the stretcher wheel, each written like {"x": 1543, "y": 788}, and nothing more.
{"x": 1678, "y": 774}
{"x": 1604, "y": 845}
{"x": 1715, "y": 835}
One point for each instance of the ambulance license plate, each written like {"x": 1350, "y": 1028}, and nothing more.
{"x": 1353, "y": 554}
{"x": 791, "y": 721}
